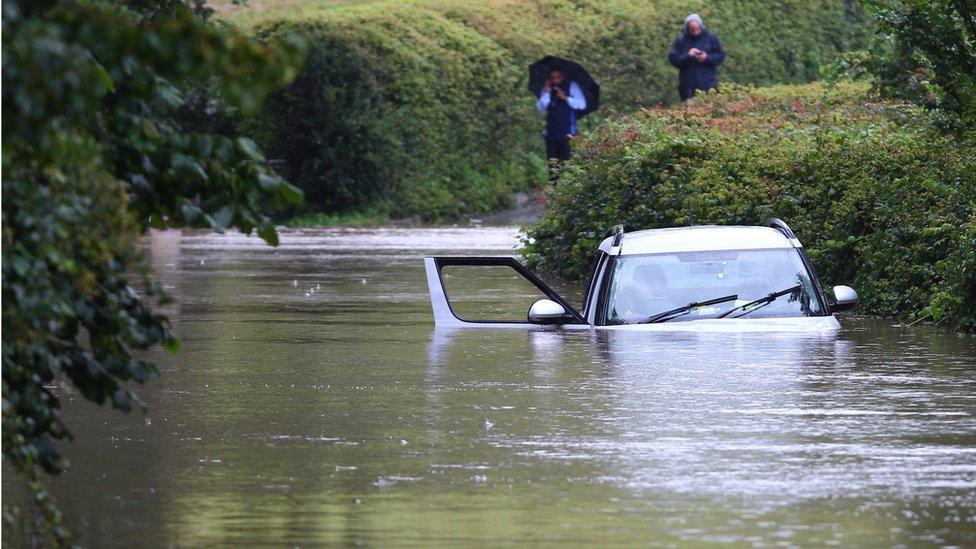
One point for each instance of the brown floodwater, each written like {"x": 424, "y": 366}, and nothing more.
{"x": 314, "y": 403}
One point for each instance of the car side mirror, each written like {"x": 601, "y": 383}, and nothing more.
{"x": 845, "y": 299}
{"x": 546, "y": 311}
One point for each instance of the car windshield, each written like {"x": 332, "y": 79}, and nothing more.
{"x": 647, "y": 285}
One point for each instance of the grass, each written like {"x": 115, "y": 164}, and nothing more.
{"x": 251, "y": 12}
{"x": 230, "y": 7}
{"x": 345, "y": 219}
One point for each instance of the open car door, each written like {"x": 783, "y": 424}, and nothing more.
{"x": 551, "y": 309}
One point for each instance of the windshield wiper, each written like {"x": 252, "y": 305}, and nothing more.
{"x": 668, "y": 315}
{"x": 762, "y": 302}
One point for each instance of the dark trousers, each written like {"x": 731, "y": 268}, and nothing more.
{"x": 558, "y": 148}
{"x": 688, "y": 91}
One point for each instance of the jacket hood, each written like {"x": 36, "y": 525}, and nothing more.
{"x": 694, "y": 17}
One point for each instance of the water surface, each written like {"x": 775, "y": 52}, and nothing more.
{"x": 314, "y": 403}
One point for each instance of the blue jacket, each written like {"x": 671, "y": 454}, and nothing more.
{"x": 693, "y": 74}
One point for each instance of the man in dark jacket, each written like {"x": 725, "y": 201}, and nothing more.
{"x": 697, "y": 53}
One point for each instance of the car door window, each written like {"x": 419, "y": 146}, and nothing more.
{"x": 487, "y": 290}
{"x": 489, "y": 293}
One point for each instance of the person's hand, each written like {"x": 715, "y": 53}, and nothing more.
{"x": 694, "y": 52}
{"x": 548, "y": 87}
{"x": 560, "y": 94}
{"x": 702, "y": 56}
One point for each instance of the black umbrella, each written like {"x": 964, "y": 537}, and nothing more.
{"x": 539, "y": 73}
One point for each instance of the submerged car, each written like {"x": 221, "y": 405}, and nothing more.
{"x": 688, "y": 278}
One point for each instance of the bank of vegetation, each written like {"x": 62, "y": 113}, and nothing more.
{"x": 882, "y": 199}
{"x": 876, "y": 178}
{"x": 420, "y": 109}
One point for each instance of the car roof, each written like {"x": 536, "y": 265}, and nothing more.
{"x": 699, "y": 238}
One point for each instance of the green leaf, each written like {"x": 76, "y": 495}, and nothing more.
{"x": 269, "y": 182}
{"x": 249, "y": 148}
{"x": 172, "y": 345}
{"x": 222, "y": 218}
{"x": 269, "y": 234}
{"x": 291, "y": 193}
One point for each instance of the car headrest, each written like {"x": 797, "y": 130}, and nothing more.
{"x": 652, "y": 275}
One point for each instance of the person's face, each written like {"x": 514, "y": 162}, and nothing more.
{"x": 694, "y": 28}
{"x": 556, "y": 78}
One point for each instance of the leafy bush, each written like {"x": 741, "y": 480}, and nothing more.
{"x": 100, "y": 141}
{"x": 926, "y": 52}
{"x": 880, "y": 201}
{"x": 420, "y": 107}
{"x": 952, "y": 297}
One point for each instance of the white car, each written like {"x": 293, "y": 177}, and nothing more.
{"x": 689, "y": 278}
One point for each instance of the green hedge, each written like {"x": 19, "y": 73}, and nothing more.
{"x": 419, "y": 108}
{"x": 880, "y": 201}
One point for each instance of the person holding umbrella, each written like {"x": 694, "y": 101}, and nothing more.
{"x": 566, "y": 93}
{"x": 560, "y": 100}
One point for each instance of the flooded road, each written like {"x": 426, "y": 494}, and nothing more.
{"x": 314, "y": 403}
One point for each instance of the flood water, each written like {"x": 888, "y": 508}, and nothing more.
{"x": 314, "y": 403}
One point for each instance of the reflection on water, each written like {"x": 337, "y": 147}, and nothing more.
{"x": 315, "y": 403}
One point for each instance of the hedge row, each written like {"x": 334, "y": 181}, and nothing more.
{"x": 419, "y": 108}
{"x": 880, "y": 201}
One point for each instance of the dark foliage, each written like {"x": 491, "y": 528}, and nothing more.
{"x": 100, "y": 142}
{"x": 926, "y": 53}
